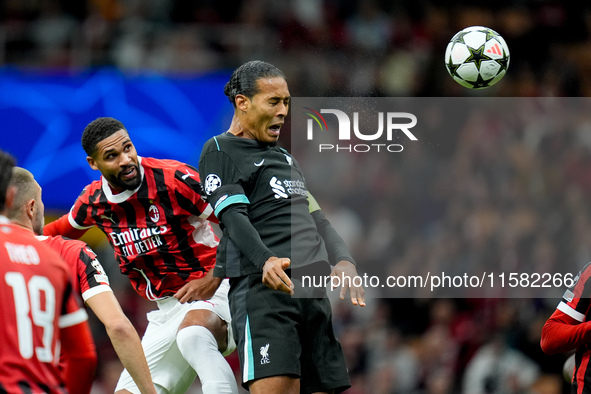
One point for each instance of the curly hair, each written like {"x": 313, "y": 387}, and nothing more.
{"x": 98, "y": 130}
{"x": 244, "y": 78}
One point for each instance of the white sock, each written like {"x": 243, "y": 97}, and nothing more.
{"x": 199, "y": 347}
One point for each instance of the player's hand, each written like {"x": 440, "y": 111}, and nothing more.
{"x": 199, "y": 289}
{"x": 274, "y": 276}
{"x": 346, "y": 272}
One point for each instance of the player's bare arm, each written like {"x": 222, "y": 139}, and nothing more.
{"x": 274, "y": 276}
{"x": 124, "y": 338}
{"x": 199, "y": 289}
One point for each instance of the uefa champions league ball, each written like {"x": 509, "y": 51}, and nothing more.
{"x": 477, "y": 57}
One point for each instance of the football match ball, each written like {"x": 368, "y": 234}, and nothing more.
{"x": 477, "y": 57}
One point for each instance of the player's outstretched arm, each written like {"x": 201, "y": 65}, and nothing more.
{"x": 124, "y": 338}
{"x": 562, "y": 333}
{"x": 63, "y": 227}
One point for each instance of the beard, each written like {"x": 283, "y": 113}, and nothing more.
{"x": 126, "y": 184}
{"x": 38, "y": 221}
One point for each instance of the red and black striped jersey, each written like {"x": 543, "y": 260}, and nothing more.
{"x": 158, "y": 231}
{"x": 37, "y": 302}
{"x": 89, "y": 275}
{"x": 576, "y": 303}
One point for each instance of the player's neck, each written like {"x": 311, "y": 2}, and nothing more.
{"x": 235, "y": 128}
{"x": 114, "y": 189}
{"x": 22, "y": 224}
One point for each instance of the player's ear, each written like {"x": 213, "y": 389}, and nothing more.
{"x": 30, "y": 208}
{"x": 242, "y": 102}
{"x": 91, "y": 163}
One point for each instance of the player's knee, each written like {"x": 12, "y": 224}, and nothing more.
{"x": 212, "y": 322}
{"x": 198, "y": 337}
{"x": 200, "y": 317}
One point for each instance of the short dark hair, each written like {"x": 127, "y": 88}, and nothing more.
{"x": 7, "y": 162}
{"x": 26, "y": 189}
{"x": 98, "y": 130}
{"x": 244, "y": 78}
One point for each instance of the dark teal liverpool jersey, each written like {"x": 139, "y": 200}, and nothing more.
{"x": 270, "y": 182}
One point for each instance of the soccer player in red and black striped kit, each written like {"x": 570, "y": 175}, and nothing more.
{"x": 156, "y": 221}
{"x": 39, "y": 311}
{"x": 89, "y": 280}
{"x": 569, "y": 328}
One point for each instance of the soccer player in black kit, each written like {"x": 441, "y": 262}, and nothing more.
{"x": 273, "y": 228}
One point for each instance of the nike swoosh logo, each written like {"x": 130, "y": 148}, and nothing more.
{"x": 259, "y": 164}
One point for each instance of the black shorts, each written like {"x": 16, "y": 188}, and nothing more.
{"x": 278, "y": 335}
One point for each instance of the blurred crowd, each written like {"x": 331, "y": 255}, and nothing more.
{"x": 326, "y": 47}
{"x": 512, "y": 194}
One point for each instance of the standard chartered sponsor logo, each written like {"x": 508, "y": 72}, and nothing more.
{"x": 278, "y": 188}
{"x": 287, "y": 187}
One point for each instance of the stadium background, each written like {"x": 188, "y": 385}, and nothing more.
{"x": 159, "y": 66}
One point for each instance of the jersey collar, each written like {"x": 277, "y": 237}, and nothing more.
{"x": 124, "y": 195}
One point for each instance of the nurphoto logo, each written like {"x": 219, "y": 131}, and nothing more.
{"x": 389, "y": 124}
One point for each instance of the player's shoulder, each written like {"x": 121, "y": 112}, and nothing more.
{"x": 91, "y": 189}
{"x": 154, "y": 163}
{"x": 288, "y": 156}
{"x": 284, "y": 151}
{"x": 10, "y": 231}
{"x": 227, "y": 143}
{"x": 172, "y": 169}
{"x": 213, "y": 144}
{"x": 24, "y": 248}
{"x": 164, "y": 164}
{"x": 63, "y": 244}
{"x": 91, "y": 194}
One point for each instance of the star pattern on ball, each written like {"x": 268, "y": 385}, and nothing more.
{"x": 477, "y": 56}
{"x": 459, "y": 37}
{"x": 490, "y": 34}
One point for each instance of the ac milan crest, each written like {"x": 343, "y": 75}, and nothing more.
{"x": 154, "y": 213}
